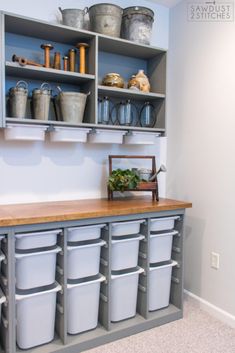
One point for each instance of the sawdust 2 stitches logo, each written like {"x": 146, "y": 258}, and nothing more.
{"x": 211, "y": 11}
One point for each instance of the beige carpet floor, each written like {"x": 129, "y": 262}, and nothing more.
{"x": 197, "y": 332}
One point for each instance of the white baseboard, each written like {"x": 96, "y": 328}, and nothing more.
{"x": 220, "y": 314}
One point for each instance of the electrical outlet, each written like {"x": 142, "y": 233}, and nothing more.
{"x": 215, "y": 260}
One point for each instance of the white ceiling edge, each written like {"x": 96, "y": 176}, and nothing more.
{"x": 167, "y": 3}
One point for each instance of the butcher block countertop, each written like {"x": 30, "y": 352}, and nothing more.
{"x": 43, "y": 212}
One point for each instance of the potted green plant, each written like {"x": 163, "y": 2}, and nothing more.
{"x": 123, "y": 179}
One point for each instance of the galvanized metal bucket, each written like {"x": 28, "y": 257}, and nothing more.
{"x": 18, "y": 96}
{"x": 106, "y": 19}
{"x": 72, "y": 106}
{"x": 73, "y": 17}
{"x": 41, "y": 102}
{"x": 137, "y": 24}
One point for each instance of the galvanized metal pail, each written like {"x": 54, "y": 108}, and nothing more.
{"x": 72, "y": 106}
{"x": 106, "y": 19}
{"x": 18, "y": 96}
{"x": 73, "y": 17}
{"x": 137, "y": 24}
{"x": 41, "y": 101}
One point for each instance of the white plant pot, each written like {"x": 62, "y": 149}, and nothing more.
{"x": 84, "y": 260}
{"x": 85, "y": 233}
{"x": 35, "y": 315}
{"x": 106, "y": 136}
{"x": 141, "y": 138}
{"x": 161, "y": 246}
{"x": 165, "y": 223}
{"x": 24, "y": 132}
{"x": 68, "y": 134}
{"x": 124, "y": 289}
{"x": 160, "y": 285}
{"x": 126, "y": 228}
{"x": 36, "y": 240}
{"x": 36, "y": 269}
{"x": 83, "y": 305}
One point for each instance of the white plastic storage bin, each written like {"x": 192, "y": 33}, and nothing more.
{"x": 2, "y": 300}
{"x": 160, "y": 285}
{"x": 161, "y": 246}
{"x": 68, "y": 134}
{"x": 84, "y": 260}
{"x": 126, "y": 228}
{"x": 83, "y": 305}
{"x": 22, "y": 132}
{"x": 35, "y": 317}
{"x": 165, "y": 223}
{"x": 106, "y": 136}
{"x": 34, "y": 240}
{"x": 124, "y": 290}
{"x": 85, "y": 233}
{"x": 36, "y": 269}
{"x": 125, "y": 252}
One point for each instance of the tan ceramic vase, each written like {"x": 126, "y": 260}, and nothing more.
{"x": 133, "y": 83}
{"x": 113, "y": 80}
{"x": 143, "y": 81}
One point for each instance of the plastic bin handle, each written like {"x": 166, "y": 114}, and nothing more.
{"x": 22, "y": 235}
{"x": 21, "y": 255}
{"x": 99, "y": 243}
{"x": 4, "y": 321}
{"x": 25, "y": 296}
{"x": 2, "y": 257}
{"x": 138, "y": 271}
{"x": 2, "y": 299}
{"x": 171, "y": 264}
{"x": 100, "y": 279}
{"x": 140, "y": 237}
{"x": 164, "y": 218}
{"x": 87, "y": 227}
{"x": 128, "y": 222}
{"x": 155, "y": 235}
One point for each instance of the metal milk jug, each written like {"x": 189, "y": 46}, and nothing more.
{"x": 18, "y": 96}
{"x": 41, "y": 102}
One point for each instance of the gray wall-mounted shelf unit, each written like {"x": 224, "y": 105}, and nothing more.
{"x": 106, "y": 331}
{"x": 23, "y": 36}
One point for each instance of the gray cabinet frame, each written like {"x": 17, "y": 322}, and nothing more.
{"x": 106, "y": 330}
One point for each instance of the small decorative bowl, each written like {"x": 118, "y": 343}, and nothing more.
{"x": 113, "y": 80}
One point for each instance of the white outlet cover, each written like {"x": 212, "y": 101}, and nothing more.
{"x": 215, "y": 260}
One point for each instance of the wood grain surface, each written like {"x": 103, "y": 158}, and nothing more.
{"x": 42, "y": 212}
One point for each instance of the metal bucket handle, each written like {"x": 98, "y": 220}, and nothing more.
{"x": 85, "y": 10}
{"x": 22, "y": 84}
{"x": 60, "y": 91}
{"x": 45, "y": 84}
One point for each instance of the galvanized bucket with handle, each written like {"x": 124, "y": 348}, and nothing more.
{"x": 41, "y": 101}
{"x": 71, "y": 106}
{"x": 73, "y": 17}
{"x": 106, "y": 19}
{"x": 137, "y": 24}
{"x": 18, "y": 96}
